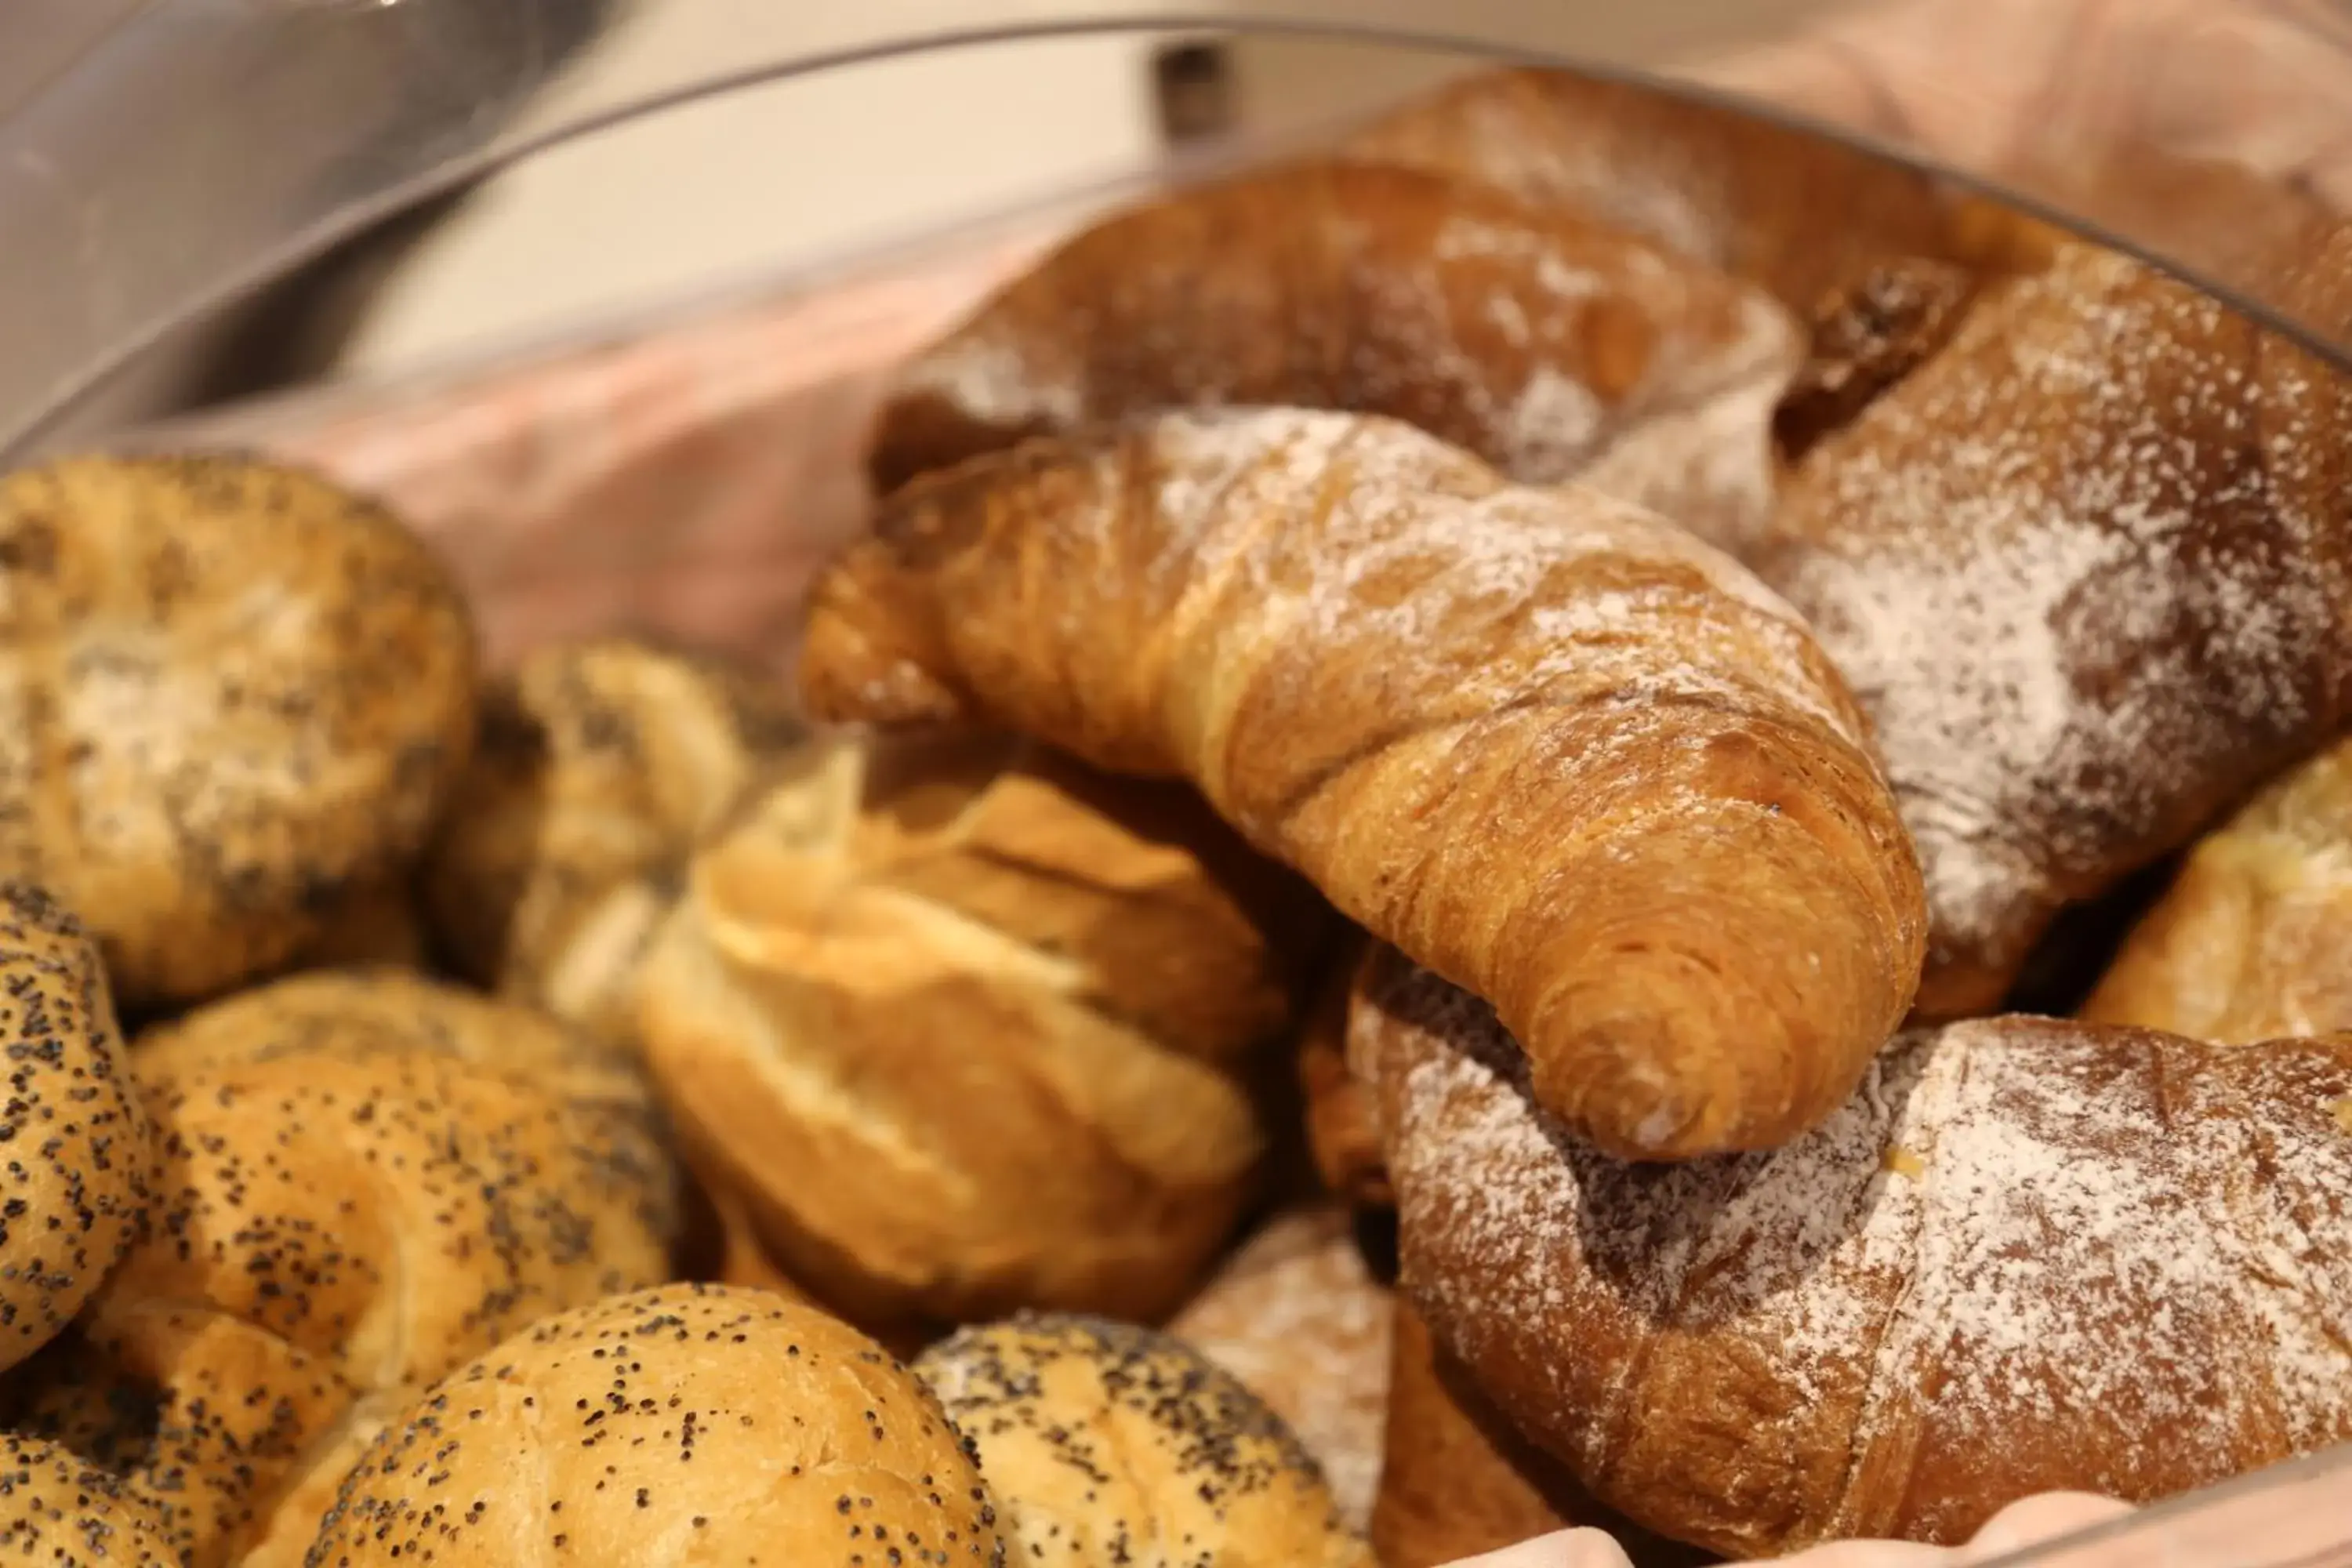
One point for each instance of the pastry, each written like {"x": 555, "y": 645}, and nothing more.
{"x": 1108, "y": 1443}
{"x": 601, "y": 765}
{"x": 1798, "y": 213}
{"x": 1022, "y": 1004}
{"x": 58, "y": 1510}
{"x": 336, "y": 1227}
{"x": 2030, "y": 1255}
{"x": 1549, "y": 345}
{"x": 377, "y": 925}
{"x": 2084, "y": 569}
{"x": 1458, "y": 1481}
{"x": 1343, "y": 1123}
{"x": 2248, "y": 943}
{"x": 722, "y": 1427}
{"x": 82, "y": 1160}
{"x": 1865, "y": 338}
{"x": 1297, "y": 1315}
{"x": 232, "y": 694}
{"x": 1541, "y": 739}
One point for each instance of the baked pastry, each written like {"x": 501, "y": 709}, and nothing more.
{"x": 1343, "y": 1122}
{"x": 1800, "y": 214}
{"x": 1551, "y": 346}
{"x": 722, "y": 1427}
{"x": 373, "y": 926}
{"x": 1108, "y": 1443}
{"x": 82, "y": 1160}
{"x": 237, "y": 692}
{"x": 2084, "y": 568}
{"x": 1866, "y": 337}
{"x": 58, "y": 1509}
{"x": 1297, "y": 1315}
{"x": 1458, "y": 1481}
{"x": 602, "y": 764}
{"x": 2248, "y": 943}
{"x": 2030, "y": 1255}
{"x": 1543, "y": 741}
{"x": 337, "y": 1226}
{"x": 368, "y": 1011}
{"x": 1107, "y": 961}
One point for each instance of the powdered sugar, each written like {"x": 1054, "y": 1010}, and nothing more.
{"x": 1296, "y": 1317}
{"x": 2027, "y": 1255}
{"x": 2078, "y": 593}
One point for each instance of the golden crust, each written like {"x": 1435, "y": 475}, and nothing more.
{"x": 58, "y": 1510}
{"x": 601, "y": 765}
{"x": 233, "y": 693}
{"x": 1554, "y": 747}
{"x": 1111, "y": 1443}
{"x": 969, "y": 1029}
{"x": 722, "y": 1427}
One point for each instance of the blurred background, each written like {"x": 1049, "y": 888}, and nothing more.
{"x": 788, "y": 175}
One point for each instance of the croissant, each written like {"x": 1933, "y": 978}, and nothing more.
{"x": 1545, "y": 344}
{"x": 1798, "y": 213}
{"x": 2248, "y": 942}
{"x": 1543, "y": 741}
{"x": 2085, "y": 568}
{"x": 2030, "y": 1255}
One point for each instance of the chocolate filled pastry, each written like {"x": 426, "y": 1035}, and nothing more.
{"x": 2029, "y": 1256}
{"x": 235, "y": 696}
{"x": 602, "y": 765}
{"x": 1549, "y": 345}
{"x": 1108, "y": 1443}
{"x": 967, "y": 1027}
{"x": 722, "y": 1427}
{"x": 2249, "y": 942}
{"x": 1297, "y": 1315}
{"x": 1542, "y": 740}
{"x": 2086, "y": 571}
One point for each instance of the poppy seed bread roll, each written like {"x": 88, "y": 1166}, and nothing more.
{"x": 600, "y": 766}
{"x": 336, "y": 1226}
{"x": 231, "y": 695}
{"x": 720, "y": 1426}
{"x": 58, "y": 1510}
{"x": 82, "y": 1157}
{"x": 1108, "y": 1443}
{"x": 970, "y": 1028}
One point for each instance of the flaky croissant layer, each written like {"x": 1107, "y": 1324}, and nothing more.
{"x": 1543, "y": 741}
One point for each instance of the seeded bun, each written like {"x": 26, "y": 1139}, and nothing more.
{"x": 691, "y": 1424}
{"x": 1108, "y": 1443}
{"x": 61, "y": 1511}
{"x": 336, "y": 1229}
{"x": 600, "y": 766}
{"x": 240, "y": 693}
{"x": 81, "y": 1155}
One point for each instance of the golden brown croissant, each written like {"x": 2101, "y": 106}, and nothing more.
{"x": 2086, "y": 570}
{"x": 2249, "y": 942}
{"x": 2030, "y": 1255}
{"x": 1796, "y": 212}
{"x": 1542, "y": 740}
{"x": 1546, "y": 345}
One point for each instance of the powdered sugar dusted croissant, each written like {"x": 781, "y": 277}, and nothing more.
{"x": 1549, "y": 344}
{"x": 2086, "y": 570}
{"x": 1545, "y": 741}
{"x": 2028, "y": 1256}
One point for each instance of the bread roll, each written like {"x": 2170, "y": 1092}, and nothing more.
{"x": 601, "y": 765}
{"x": 1108, "y": 1443}
{"x": 720, "y": 1426}
{"x": 2248, "y": 943}
{"x": 338, "y": 1226}
{"x": 60, "y": 1511}
{"x": 970, "y": 1028}
{"x": 82, "y": 1157}
{"x": 1296, "y": 1314}
{"x": 236, "y": 693}
{"x": 2028, "y": 1256}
